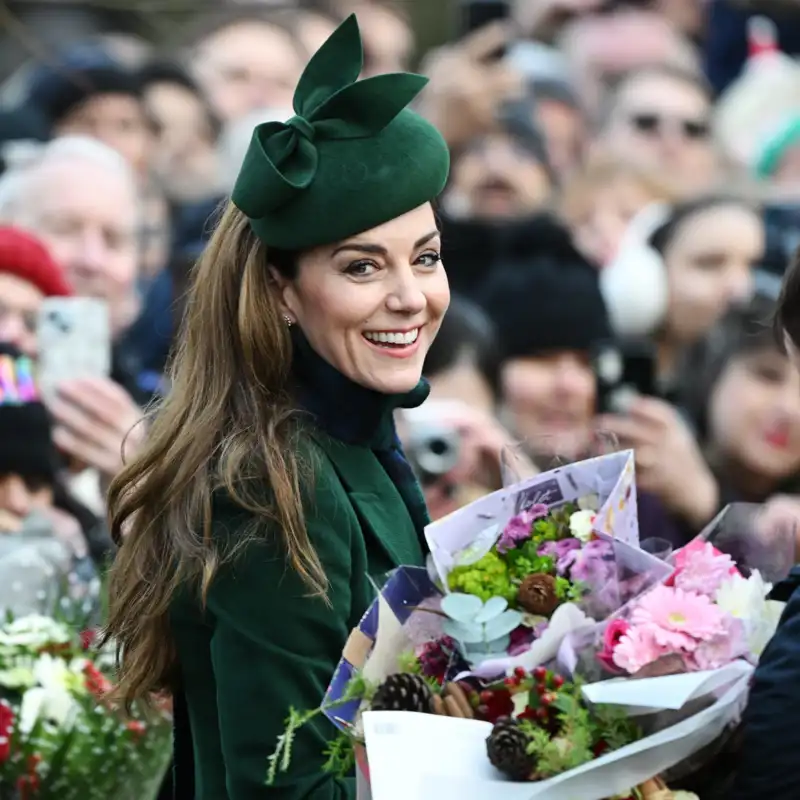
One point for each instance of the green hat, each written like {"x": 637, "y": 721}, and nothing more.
{"x": 352, "y": 157}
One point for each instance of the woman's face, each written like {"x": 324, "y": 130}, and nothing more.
{"x": 709, "y": 261}
{"x": 371, "y": 305}
{"x": 754, "y": 415}
{"x": 552, "y": 395}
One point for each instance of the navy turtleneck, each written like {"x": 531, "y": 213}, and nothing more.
{"x": 356, "y": 415}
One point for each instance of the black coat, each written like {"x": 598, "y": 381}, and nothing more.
{"x": 769, "y": 759}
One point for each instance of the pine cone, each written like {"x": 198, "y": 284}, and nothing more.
{"x": 403, "y": 692}
{"x": 507, "y": 750}
{"x": 537, "y": 594}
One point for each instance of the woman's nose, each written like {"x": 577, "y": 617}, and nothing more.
{"x": 407, "y": 296}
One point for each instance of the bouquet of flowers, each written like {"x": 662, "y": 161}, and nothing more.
{"x": 59, "y": 738}
{"x": 558, "y": 553}
{"x": 534, "y": 726}
{"x": 705, "y": 616}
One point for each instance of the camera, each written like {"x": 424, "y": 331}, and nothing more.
{"x": 432, "y": 450}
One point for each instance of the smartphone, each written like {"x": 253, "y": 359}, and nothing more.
{"x": 477, "y": 13}
{"x": 623, "y": 371}
{"x": 74, "y": 341}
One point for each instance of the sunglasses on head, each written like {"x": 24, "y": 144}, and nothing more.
{"x": 656, "y": 123}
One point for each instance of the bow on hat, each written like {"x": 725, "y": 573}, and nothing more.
{"x": 329, "y": 103}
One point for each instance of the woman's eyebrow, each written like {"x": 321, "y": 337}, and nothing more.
{"x": 380, "y": 250}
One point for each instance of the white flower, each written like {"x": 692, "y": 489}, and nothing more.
{"x": 581, "y": 524}
{"x": 589, "y": 502}
{"x": 33, "y": 631}
{"x": 53, "y": 698}
{"x": 746, "y": 599}
{"x": 54, "y": 705}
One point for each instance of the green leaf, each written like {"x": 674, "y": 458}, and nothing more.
{"x": 493, "y": 607}
{"x": 461, "y": 607}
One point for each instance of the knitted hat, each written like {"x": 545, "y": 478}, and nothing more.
{"x": 352, "y": 157}
{"x": 26, "y": 445}
{"x": 548, "y": 304}
{"x": 55, "y": 94}
{"x": 24, "y": 256}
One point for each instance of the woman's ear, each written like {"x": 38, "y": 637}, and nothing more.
{"x": 286, "y": 294}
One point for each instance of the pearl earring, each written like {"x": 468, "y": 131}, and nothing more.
{"x": 288, "y": 320}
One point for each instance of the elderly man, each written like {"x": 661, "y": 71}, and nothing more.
{"x": 79, "y": 197}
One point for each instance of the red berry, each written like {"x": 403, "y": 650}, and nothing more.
{"x": 558, "y": 681}
{"x": 510, "y": 682}
{"x": 486, "y": 696}
{"x": 541, "y": 689}
{"x": 548, "y": 699}
{"x": 540, "y": 673}
{"x": 482, "y": 710}
{"x": 541, "y": 714}
{"x": 520, "y": 673}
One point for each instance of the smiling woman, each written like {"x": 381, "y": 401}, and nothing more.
{"x": 273, "y": 487}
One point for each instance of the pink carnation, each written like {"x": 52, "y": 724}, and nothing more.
{"x": 519, "y": 528}
{"x": 637, "y": 648}
{"x": 703, "y": 570}
{"x": 612, "y": 635}
{"x": 722, "y": 649}
{"x": 679, "y": 618}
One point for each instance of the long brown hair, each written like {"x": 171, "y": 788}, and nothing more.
{"x": 227, "y": 423}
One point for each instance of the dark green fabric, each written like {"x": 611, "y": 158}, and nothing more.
{"x": 352, "y": 157}
{"x": 262, "y": 645}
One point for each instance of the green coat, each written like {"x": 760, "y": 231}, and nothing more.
{"x": 262, "y": 645}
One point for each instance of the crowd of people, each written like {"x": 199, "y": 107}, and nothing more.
{"x": 623, "y": 174}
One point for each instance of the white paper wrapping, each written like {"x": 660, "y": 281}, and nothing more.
{"x": 426, "y": 757}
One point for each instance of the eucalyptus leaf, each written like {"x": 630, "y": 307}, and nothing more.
{"x": 499, "y": 645}
{"x": 472, "y": 634}
{"x": 502, "y": 625}
{"x": 463, "y": 633}
{"x": 494, "y": 607}
{"x": 461, "y": 607}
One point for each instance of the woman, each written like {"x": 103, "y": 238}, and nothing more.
{"x": 272, "y": 486}
{"x": 677, "y": 272}
{"x": 742, "y": 443}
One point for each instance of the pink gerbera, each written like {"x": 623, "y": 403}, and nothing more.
{"x": 680, "y": 618}
{"x": 703, "y": 570}
{"x": 637, "y": 648}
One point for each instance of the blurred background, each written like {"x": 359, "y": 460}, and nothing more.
{"x": 624, "y": 198}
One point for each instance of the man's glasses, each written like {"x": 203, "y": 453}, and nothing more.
{"x": 657, "y": 124}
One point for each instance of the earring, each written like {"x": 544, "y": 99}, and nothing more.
{"x": 288, "y": 320}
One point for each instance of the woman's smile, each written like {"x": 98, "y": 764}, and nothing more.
{"x": 394, "y": 343}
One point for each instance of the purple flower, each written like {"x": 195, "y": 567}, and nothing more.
{"x": 521, "y": 639}
{"x": 592, "y": 564}
{"x": 519, "y": 527}
{"x": 560, "y": 551}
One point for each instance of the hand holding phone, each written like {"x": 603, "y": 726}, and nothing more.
{"x": 74, "y": 341}
{"x": 623, "y": 372}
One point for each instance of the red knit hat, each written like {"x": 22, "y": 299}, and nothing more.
{"x": 24, "y": 256}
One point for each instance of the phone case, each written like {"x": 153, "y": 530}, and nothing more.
{"x": 74, "y": 341}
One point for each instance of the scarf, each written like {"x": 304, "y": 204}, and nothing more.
{"x": 355, "y": 415}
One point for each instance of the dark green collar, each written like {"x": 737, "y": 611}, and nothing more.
{"x": 343, "y": 409}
